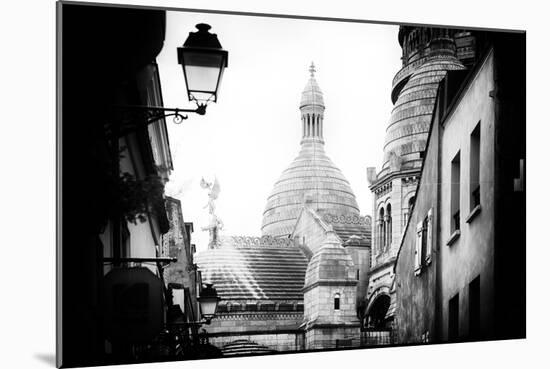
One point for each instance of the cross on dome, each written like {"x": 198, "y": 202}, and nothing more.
{"x": 312, "y": 69}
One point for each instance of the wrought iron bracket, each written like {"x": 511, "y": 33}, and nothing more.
{"x": 132, "y": 116}
{"x": 140, "y": 260}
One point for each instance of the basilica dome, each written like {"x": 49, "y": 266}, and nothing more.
{"x": 311, "y": 177}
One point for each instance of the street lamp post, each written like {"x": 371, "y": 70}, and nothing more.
{"x": 203, "y": 62}
{"x": 179, "y": 328}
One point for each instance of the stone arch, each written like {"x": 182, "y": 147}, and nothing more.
{"x": 377, "y": 308}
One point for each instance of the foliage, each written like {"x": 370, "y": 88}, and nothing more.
{"x": 139, "y": 197}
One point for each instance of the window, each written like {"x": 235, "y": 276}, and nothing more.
{"x": 357, "y": 274}
{"x": 474, "y": 168}
{"x": 453, "y": 319}
{"x": 381, "y": 230}
{"x": 418, "y": 249}
{"x": 455, "y": 193}
{"x": 337, "y": 301}
{"x": 388, "y": 227}
{"x": 427, "y": 251}
{"x": 474, "y": 307}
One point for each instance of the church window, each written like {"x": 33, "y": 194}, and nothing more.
{"x": 381, "y": 230}
{"x": 388, "y": 226}
{"x": 337, "y": 301}
{"x": 455, "y": 193}
{"x": 474, "y": 168}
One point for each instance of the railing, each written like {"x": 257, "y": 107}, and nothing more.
{"x": 376, "y": 337}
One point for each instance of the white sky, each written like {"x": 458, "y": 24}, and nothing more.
{"x": 252, "y": 134}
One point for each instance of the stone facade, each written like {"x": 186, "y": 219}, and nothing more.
{"x": 352, "y": 230}
{"x": 176, "y": 243}
{"x": 312, "y": 222}
{"x": 428, "y": 53}
{"x": 330, "y": 314}
{"x": 459, "y": 261}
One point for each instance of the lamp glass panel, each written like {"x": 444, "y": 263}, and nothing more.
{"x": 208, "y": 306}
{"x": 202, "y": 73}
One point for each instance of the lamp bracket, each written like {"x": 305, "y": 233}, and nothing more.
{"x": 138, "y": 115}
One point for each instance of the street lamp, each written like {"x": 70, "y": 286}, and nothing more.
{"x": 208, "y": 301}
{"x": 203, "y": 62}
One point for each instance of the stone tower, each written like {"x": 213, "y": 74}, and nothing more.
{"x": 428, "y": 53}
{"x": 312, "y": 177}
{"x": 330, "y": 317}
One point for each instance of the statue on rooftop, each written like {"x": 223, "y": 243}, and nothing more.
{"x": 215, "y": 224}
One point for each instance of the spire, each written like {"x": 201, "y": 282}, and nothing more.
{"x": 312, "y": 70}
{"x": 312, "y": 107}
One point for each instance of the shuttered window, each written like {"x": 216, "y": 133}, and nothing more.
{"x": 418, "y": 249}
{"x": 429, "y": 222}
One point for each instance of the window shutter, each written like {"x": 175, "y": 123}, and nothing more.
{"x": 429, "y": 237}
{"x": 418, "y": 249}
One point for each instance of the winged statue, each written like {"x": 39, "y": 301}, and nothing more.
{"x": 215, "y": 224}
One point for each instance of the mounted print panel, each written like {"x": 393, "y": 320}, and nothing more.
{"x": 235, "y": 184}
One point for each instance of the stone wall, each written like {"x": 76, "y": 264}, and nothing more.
{"x": 472, "y": 253}
{"x": 274, "y": 341}
{"x": 416, "y": 291}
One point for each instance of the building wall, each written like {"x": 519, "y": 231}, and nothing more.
{"x": 332, "y": 337}
{"x": 416, "y": 293}
{"x": 472, "y": 253}
{"x": 361, "y": 259}
{"x": 319, "y": 304}
{"x": 275, "y": 341}
{"x": 428, "y": 53}
{"x": 309, "y": 233}
{"x": 276, "y": 330}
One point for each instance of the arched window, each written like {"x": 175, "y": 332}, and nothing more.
{"x": 381, "y": 230}
{"x": 336, "y": 301}
{"x": 388, "y": 226}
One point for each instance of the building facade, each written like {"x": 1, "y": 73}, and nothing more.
{"x": 279, "y": 290}
{"x": 428, "y": 53}
{"x": 451, "y": 283}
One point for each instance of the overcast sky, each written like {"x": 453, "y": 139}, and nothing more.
{"x": 252, "y": 134}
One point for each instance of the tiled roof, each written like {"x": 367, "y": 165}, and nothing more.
{"x": 254, "y": 272}
{"x": 353, "y": 230}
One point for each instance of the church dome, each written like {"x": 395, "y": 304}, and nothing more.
{"x": 311, "y": 177}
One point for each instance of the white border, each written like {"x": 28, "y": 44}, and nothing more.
{"x": 28, "y": 180}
